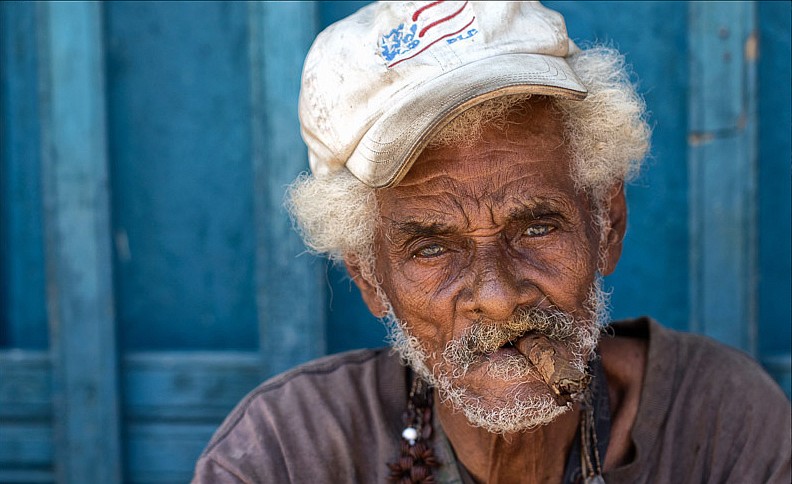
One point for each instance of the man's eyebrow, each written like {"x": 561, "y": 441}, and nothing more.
{"x": 533, "y": 209}
{"x": 421, "y": 228}
{"x": 431, "y": 227}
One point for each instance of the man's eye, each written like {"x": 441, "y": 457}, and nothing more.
{"x": 538, "y": 230}
{"x": 429, "y": 251}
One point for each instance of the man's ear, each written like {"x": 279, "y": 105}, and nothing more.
{"x": 367, "y": 289}
{"x": 617, "y": 226}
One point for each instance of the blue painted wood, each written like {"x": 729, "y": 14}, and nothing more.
{"x": 722, "y": 172}
{"x": 77, "y": 243}
{"x": 179, "y": 132}
{"x": 198, "y": 387}
{"x": 25, "y": 386}
{"x": 26, "y": 437}
{"x": 289, "y": 281}
{"x": 23, "y": 319}
{"x": 165, "y": 452}
{"x": 28, "y": 443}
{"x": 26, "y": 476}
{"x": 172, "y": 403}
{"x": 775, "y": 181}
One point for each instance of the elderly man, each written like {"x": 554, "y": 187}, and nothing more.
{"x": 468, "y": 166}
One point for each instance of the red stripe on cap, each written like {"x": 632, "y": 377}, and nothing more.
{"x": 425, "y": 7}
{"x": 433, "y": 43}
{"x": 445, "y": 19}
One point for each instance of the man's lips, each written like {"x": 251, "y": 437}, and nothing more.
{"x": 507, "y": 348}
{"x": 551, "y": 360}
{"x": 512, "y": 342}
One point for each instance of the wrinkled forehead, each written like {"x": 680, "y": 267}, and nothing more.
{"x": 510, "y": 163}
{"x": 505, "y": 136}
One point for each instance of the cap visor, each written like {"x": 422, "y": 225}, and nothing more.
{"x": 388, "y": 149}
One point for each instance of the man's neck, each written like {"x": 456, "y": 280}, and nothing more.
{"x": 537, "y": 455}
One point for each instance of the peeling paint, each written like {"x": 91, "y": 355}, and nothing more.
{"x": 751, "y": 49}
{"x": 696, "y": 139}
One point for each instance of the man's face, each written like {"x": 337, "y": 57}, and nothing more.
{"x": 475, "y": 233}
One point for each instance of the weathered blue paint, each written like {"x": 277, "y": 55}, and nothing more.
{"x": 183, "y": 227}
{"x": 77, "y": 240}
{"x": 23, "y": 319}
{"x": 290, "y": 309}
{"x": 722, "y": 172}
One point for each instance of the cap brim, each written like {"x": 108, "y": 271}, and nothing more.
{"x": 388, "y": 149}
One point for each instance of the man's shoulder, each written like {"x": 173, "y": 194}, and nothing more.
{"x": 708, "y": 413}
{"x": 680, "y": 357}
{"x": 313, "y": 406}
{"x": 338, "y": 366}
{"x": 329, "y": 377}
{"x": 694, "y": 382}
{"x": 699, "y": 360}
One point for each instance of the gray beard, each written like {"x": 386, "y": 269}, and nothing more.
{"x": 521, "y": 412}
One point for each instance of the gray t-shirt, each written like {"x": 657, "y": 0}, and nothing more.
{"x": 707, "y": 413}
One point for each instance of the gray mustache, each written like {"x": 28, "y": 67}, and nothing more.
{"x": 486, "y": 336}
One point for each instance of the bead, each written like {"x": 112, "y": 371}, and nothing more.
{"x": 410, "y": 435}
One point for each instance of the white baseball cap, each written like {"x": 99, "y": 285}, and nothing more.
{"x": 377, "y": 84}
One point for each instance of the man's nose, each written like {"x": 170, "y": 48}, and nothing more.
{"x": 497, "y": 289}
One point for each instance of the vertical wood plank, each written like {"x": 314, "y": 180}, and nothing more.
{"x": 77, "y": 243}
{"x": 23, "y": 320}
{"x": 722, "y": 155}
{"x": 289, "y": 297}
{"x": 775, "y": 190}
{"x": 179, "y": 136}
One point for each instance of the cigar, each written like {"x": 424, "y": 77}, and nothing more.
{"x": 551, "y": 360}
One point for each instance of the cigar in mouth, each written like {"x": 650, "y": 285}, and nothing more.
{"x": 551, "y": 360}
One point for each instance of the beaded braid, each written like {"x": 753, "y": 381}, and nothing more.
{"x": 416, "y": 458}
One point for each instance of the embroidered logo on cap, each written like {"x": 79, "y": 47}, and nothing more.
{"x": 431, "y": 23}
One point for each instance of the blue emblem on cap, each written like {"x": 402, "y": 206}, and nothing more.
{"x": 398, "y": 42}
